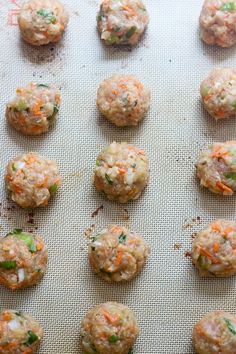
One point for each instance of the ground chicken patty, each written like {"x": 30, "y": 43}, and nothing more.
{"x": 214, "y": 249}
{"x": 218, "y": 93}
{"x": 122, "y": 21}
{"x": 116, "y": 254}
{"x": 23, "y": 259}
{"x": 216, "y": 168}
{"x": 123, "y": 100}
{"x": 218, "y": 22}
{"x": 121, "y": 172}
{"x": 32, "y": 179}
{"x": 34, "y": 108}
{"x": 215, "y": 333}
{"x": 42, "y": 21}
{"x": 109, "y": 328}
{"x": 19, "y": 333}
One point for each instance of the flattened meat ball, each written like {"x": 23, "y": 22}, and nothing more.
{"x": 121, "y": 172}
{"x": 109, "y": 328}
{"x": 23, "y": 259}
{"x": 34, "y": 108}
{"x": 122, "y": 21}
{"x": 214, "y": 249}
{"x": 218, "y": 93}
{"x": 32, "y": 179}
{"x": 20, "y": 333}
{"x": 123, "y": 100}
{"x": 42, "y": 21}
{"x": 116, "y": 254}
{"x": 216, "y": 168}
{"x": 218, "y": 22}
{"x": 215, "y": 333}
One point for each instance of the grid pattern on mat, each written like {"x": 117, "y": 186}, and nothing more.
{"x": 168, "y": 297}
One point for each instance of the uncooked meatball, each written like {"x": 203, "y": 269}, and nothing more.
{"x": 215, "y": 333}
{"x": 214, "y": 249}
{"x": 216, "y": 168}
{"x": 121, "y": 172}
{"x": 218, "y": 22}
{"x": 218, "y": 93}
{"x": 42, "y": 21}
{"x": 123, "y": 100}
{"x": 122, "y": 21}
{"x": 23, "y": 259}
{"x": 32, "y": 179}
{"x": 116, "y": 254}
{"x": 34, "y": 109}
{"x": 109, "y": 328}
{"x": 19, "y": 333}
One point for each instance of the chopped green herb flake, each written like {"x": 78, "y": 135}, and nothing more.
{"x": 8, "y": 264}
{"x": 53, "y": 188}
{"x": 205, "y": 90}
{"x": 133, "y": 165}
{"x": 117, "y": 29}
{"x": 93, "y": 248}
{"x": 16, "y": 232}
{"x": 28, "y": 240}
{"x": 22, "y": 106}
{"x": 234, "y": 104}
{"x": 93, "y": 239}
{"x": 131, "y": 31}
{"x": 230, "y": 175}
{"x": 108, "y": 179}
{"x": 98, "y": 163}
{"x": 228, "y": 7}
{"x": 43, "y": 85}
{"x": 113, "y": 39}
{"x": 202, "y": 263}
{"x": 113, "y": 339}
{"x": 18, "y": 313}
{"x": 47, "y": 14}
{"x": 131, "y": 351}
{"x": 32, "y": 337}
{"x": 55, "y": 109}
{"x": 135, "y": 103}
{"x": 230, "y": 326}
{"x": 13, "y": 168}
{"x": 122, "y": 238}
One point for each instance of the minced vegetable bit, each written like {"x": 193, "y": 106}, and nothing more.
{"x": 123, "y": 100}
{"x": 109, "y": 328}
{"x": 117, "y": 254}
{"x": 215, "y": 333}
{"x": 218, "y": 93}
{"x": 23, "y": 259}
{"x": 218, "y": 22}
{"x": 122, "y": 21}
{"x": 42, "y": 21}
{"x": 121, "y": 172}
{"x": 216, "y": 168}
{"x": 20, "y": 333}
{"x": 32, "y": 180}
{"x": 214, "y": 249}
{"x": 34, "y": 109}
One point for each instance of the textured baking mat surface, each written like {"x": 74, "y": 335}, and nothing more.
{"x": 168, "y": 297}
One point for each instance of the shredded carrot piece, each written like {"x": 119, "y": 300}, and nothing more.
{"x": 224, "y": 188}
{"x": 141, "y": 152}
{"x": 115, "y": 92}
{"x": 218, "y": 152}
{"x": 216, "y": 247}
{"x": 216, "y": 227}
{"x": 39, "y": 246}
{"x": 17, "y": 189}
{"x": 109, "y": 317}
{"x": 228, "y": 230}
{"x": 7, "y": 316}
{"x": 122, "y": 171}
{"x": 131, "y": 11}
{"x": 207, "y": 254}
{"x": 116, "y": 229}
{"x": 118, "y": 258}
{"x": 36, "y": 108}
{"x": 30, "y": 159}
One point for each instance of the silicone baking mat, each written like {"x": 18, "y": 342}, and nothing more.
{"x": 168, "y": 297}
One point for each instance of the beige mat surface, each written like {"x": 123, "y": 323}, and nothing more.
{"x": 168, "y": 297}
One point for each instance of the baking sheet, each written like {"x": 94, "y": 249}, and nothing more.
{"x": 168, "y": 297}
